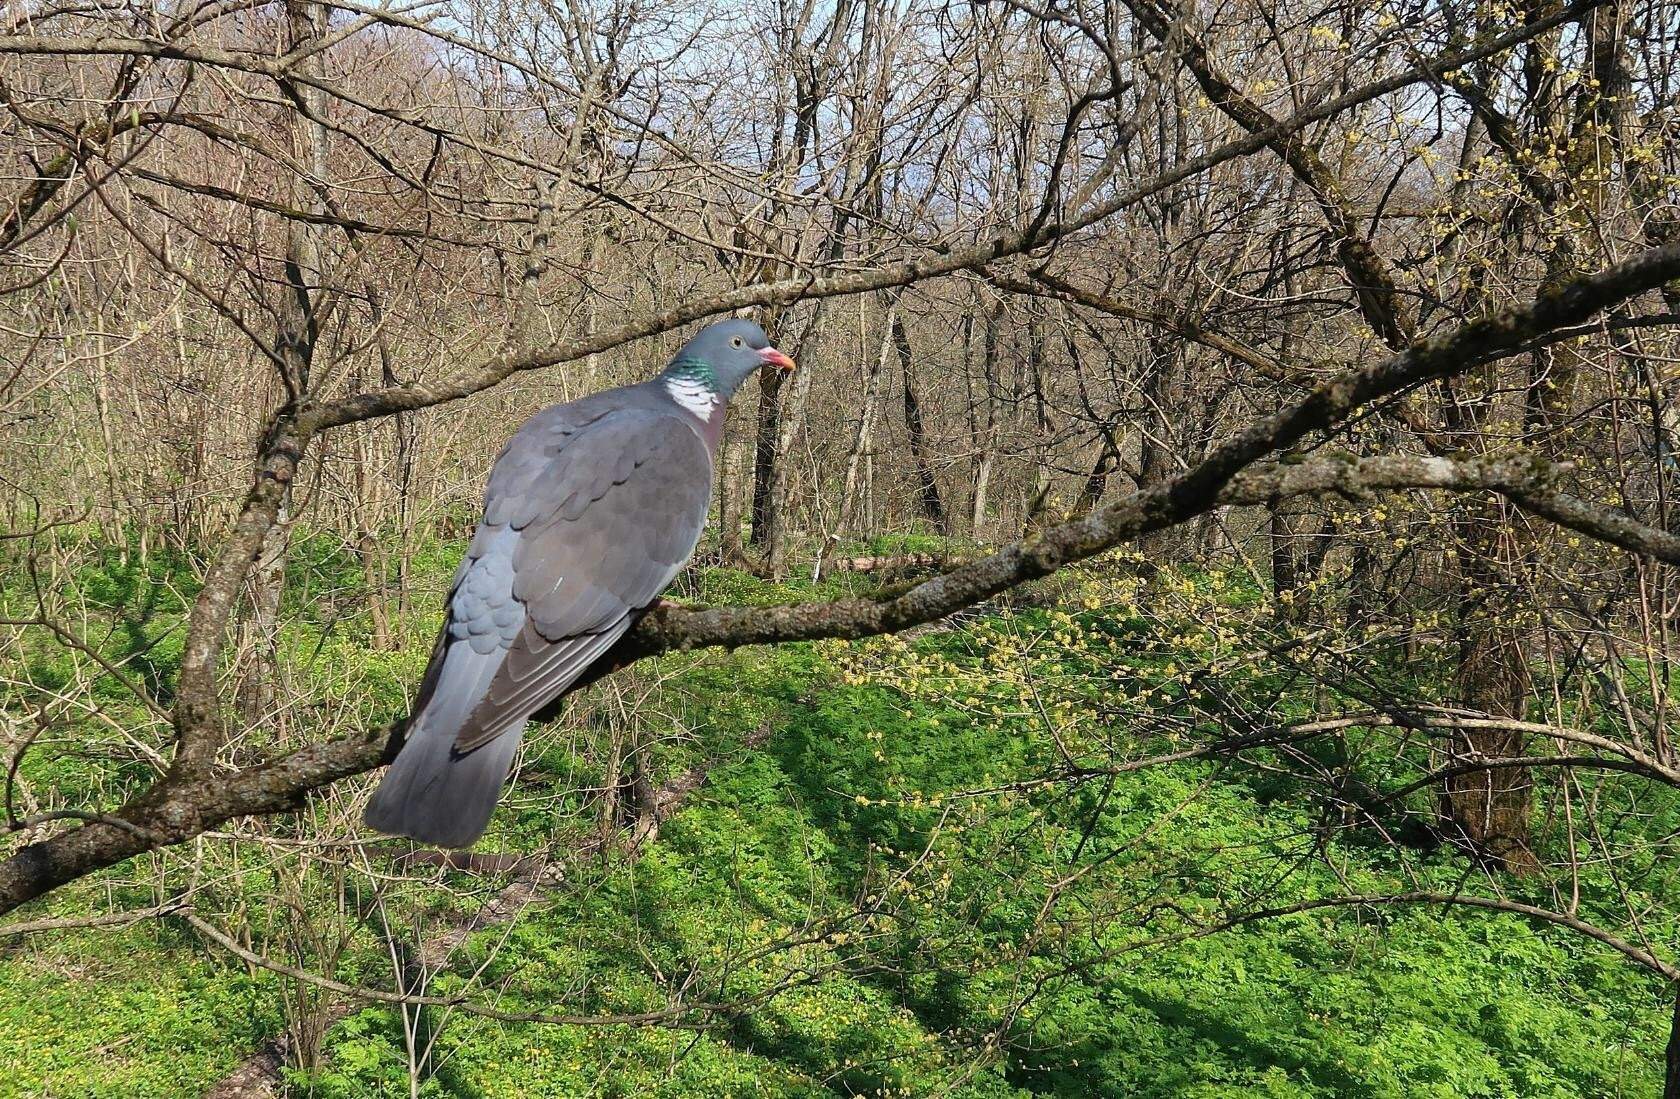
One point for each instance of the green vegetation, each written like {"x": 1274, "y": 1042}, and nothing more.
{"x": 886, "y": 882}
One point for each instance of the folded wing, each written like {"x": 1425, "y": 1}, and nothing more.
{"x": 590, "y": 513}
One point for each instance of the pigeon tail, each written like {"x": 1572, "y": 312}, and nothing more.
{"x": 432, "y": 793}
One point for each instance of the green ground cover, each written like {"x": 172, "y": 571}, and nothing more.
{"x": 920, "y": 937}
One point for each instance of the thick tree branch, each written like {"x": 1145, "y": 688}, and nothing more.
{"x": 180, "y": 806}
{"x": 1199, "y": 488}
{"x": 1526, "y": 480}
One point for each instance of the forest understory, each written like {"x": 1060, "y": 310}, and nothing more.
{"x": 973, "y": 862}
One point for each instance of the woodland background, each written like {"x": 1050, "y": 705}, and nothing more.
{"x": 1199, "y": 622}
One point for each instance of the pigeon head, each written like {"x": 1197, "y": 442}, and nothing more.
{"x": 709, "y": 368}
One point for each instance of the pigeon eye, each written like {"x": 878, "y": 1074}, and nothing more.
{"x": 736, "y": 342}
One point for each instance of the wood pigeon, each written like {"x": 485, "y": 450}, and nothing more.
{"x": 593, "y": 507}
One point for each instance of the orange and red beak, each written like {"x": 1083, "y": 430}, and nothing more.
{"x": 771, "y": 357}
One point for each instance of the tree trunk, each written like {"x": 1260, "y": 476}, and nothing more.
{"x": 793, "y": 417}
{"x": 985, "y": 428}
{"x": 769, "y": 429}
{"x": 732, "y": 503}
{"x": 295, "y": 333}
{"x": 772, "y": 469}
{"x": 1491, "y": 808}
{"x": 1156, "y": 453}
{"x": 256, "y": 693}
{"x": 927, "y": 484}
{"x": 1286, "y": 561}
{"x": 1042, "y": 506}
{"x": 1096, "y": 482}
{"x": 862, "y": 439}
{"x": 1671, "y": 1058}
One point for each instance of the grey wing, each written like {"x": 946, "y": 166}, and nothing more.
{"x": 604, "y": 528}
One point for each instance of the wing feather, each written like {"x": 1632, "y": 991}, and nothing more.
{"x": 626, "y": 496}
{"x": 510, "y": 693}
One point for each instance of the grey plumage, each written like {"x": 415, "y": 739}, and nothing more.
{"x": 592, "y": 509}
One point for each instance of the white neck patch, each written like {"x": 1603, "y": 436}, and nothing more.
{"x": 692, "y": 395}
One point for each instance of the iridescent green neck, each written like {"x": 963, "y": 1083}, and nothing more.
{"x": 695, "y": 372}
